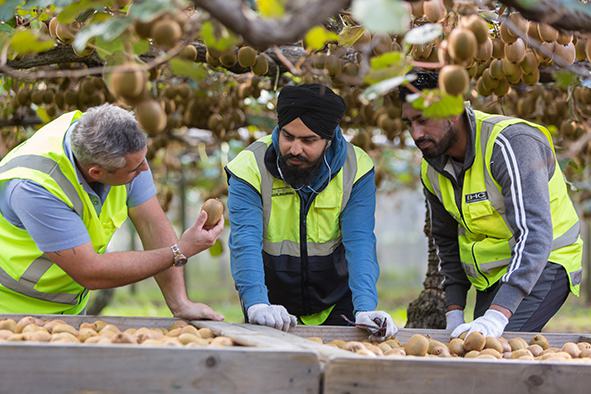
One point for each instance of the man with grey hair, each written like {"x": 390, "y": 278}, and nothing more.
{"x": 63, "y": 194}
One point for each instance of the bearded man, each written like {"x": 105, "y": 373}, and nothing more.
{"x": 301, "y": 205}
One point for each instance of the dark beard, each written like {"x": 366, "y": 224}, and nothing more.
{"x": 297, "y": 176}
{"x": 443, "y": 146}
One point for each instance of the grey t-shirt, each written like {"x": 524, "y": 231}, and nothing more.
{"x": 51, "y": 223}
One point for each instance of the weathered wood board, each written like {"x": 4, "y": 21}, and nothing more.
{"x": 454, "y": 376}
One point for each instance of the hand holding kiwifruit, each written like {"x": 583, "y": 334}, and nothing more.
{"x": 199, "y": 236}
{"x": 214, "y": 209}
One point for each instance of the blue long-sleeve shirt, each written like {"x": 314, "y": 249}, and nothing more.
{"x": 357, "y": 230}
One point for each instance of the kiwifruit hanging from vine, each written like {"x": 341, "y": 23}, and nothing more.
{"x": 588, "y": 49}
{"x": 52, "y": 27}
{"x": 564, "y": 38}
{"x": 66, "y": 33}
{"x": 23, "y": 96}
{"x": 37, "y": 96}
{"x": 477, "y": 26}
{"x": 127, "y": 84}
{"x": 151, "y": 116}
{"x": 531, "y": 78}
{"x": 547, "y": 32}
{"x": 434, "y": 10}
{"x": 416, "y": 8}
{"x": 261, "y": 66}
{"x": 211, "y": 60}
{"x": 485, "y": 50}
{"x": 506, "y": 34}
{"x": 529, "y": 62}
{"x": 515, "y": 52}
{"x": 462, "y": 45}
{"x": 247, "y": 56}
{"x": 567, "y": 52}
{"x": 454, "y": 80}
{"x": 166, "y": 33}
{"x": 229, "y": 58}
{"x": 189, "y": 52}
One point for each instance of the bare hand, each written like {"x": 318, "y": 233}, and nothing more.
{"x": 196, "y": 311}
{"x": 196, "y": 239}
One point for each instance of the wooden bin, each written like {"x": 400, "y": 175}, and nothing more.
{"x": 258, "y": 366}
{"x": 410, "y": 375}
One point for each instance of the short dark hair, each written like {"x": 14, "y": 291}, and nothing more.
{"x": 424, "y": 80}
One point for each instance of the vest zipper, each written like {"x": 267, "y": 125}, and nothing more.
{"x": 303, "y": 254}
{"x": 477, "y": 267}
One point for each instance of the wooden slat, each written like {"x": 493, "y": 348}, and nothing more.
{"x": 119, "y": 369}
{"x": 454, "y": 376}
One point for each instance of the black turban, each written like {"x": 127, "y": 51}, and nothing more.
{"x": 316, "y": 105}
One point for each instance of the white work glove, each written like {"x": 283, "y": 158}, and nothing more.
{"x": 453, "y": 319}
{"x": 372, "y": 319}
{"x": 275, "y": 316}
{"x": 491, "y": 324}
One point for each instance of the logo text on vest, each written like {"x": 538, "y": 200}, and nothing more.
{"x": 476, "y": 197}
{"x": 282, "y": 191}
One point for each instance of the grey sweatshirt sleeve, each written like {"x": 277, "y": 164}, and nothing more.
{"x": 444, "y": 229}
{"x": 523, "y": 163}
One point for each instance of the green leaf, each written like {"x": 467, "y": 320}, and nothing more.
{"x": 6, "y": 28}
{"x": 141, "y": 47}
{"x": 382, "y": 16}
{"x": 25, "y": 41}
{"x": 106, "y": 49}
{"x": 423, "y": 34}
{"x": 42, "y": 114}
{"x": 436, "y": 105}
{"x": 384, "y": 87}
{"x": 70, "y": 12}
{"x": 224, "y": 41}
{"x": 317, "y": 37}
{"x": 565, "y": 78}
{"x": 350, "y": 35}
{"x": 271, "y": 8}
{"x": 108, "y": 30}
{"x": 149, "y": 9}
{"x": 386, "y": 66}
{"x": 186, "y": 68}
{"x": 217, "y": 249}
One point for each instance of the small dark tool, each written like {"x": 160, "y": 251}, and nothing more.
{"x": 380, "y": 332}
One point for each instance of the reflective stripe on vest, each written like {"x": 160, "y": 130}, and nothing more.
{"x": 24, "y": 269}
{"x": 483, "y": 272}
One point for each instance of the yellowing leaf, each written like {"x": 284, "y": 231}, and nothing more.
{"x": 435, "y": 104}
{"x": 350, "y": 35}
{"x": 271, "y": 8}
{"x": 317, "y": 37}
{"x": 25, "y": 42}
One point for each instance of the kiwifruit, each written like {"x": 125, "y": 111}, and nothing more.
{"x": 382, "y": 43}
{"x": 547, "y": 32}
{"x": 454, "y": 80}
{"x": 372, "y": 348}
{"x": 417, "y": 345}
{"x": 474, "y": 341}
{"x": 365, "y": 352}
{"x": 64, "y": 337}
{"x": 37, "y": 96}
{"x": 166, "y": 32}
{"x": 510, "y": 68}
{"x": 228, "y": 58}
{"x": 585, "y": 353}
{"x": 564, "y": 38}
{"x": 492, "y": 352}
{"x": 572, "y": 349}
{"x": 123, "y": 338}
{"x": 384, "y": 347}
{"x": 127, "y": 84}
{"x": 212, "y": 60}
{"x": 440, "y": 351}
{"x": 476, "y": 25}
{"x": 533, "y": 32}
{"x": 52, "y": 27}
{"x": 519, "y": 21}
{"x": 506, "y": 34}
{"x": 175, "y": 332}
{"x": 515, "y": 52}
{"x": 422, "y": 51}
{"x": 190, "y": 330}
{"x": 472, "y": 354}
{"x": 416, "y": 8}
{"x": 66, "y": 33}
{"x": 394, "y": 343}
{"x": 143, "y": 29}
{"x": 517, "y": 353}
{"x": 261, "y": 65}
{"x": 498, "y": 48}
{"x": 493, "y": 343}
{"x": 353, "y": 346}
{"x": 37, "y": 336}
{"x": 486, "y": 356}
{"x": 567, "y": 52}
{"x": 462, "y": 45}
{"x": 584, "y": 345}
{"x": 109, "y": 328}
{"x": 25, "y": 321}
{"x": 32, "y": 328}
{"x": 529, "y": 62}
{"x": 517, "y": 344}
{"x": 151, "y": 116}
{"x": 395, "y": 352}
{"x": 206, "y": 333}
{"x": 64, "y": 328}
{"x": 14, "y": 337}
{"x": 456, "y": 347}
{"x": 185, "y": 339}
{"x": 580, "y": 49}
{"x": 496, "y": 69}
{"x": 8, "y": 324}
{"x": 214, "y": 209}
{"x": 433, "y": 343}
{"x": 189, "y": 52}
{"x": 247, "y": 56}
{"x": 485, "y": 50}
{"x": 535, "y": 350}
{"x": 351, "y": 69}
{"x": 85, "y": 333}
{"x": 541, "y": 340}
{"x": 336, "y": 343}
{"x": 434, "y": 10}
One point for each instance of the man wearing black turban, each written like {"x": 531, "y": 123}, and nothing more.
{"x": 306, "y": 197}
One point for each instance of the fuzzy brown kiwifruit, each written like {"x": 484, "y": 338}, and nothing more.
{"x": 229, "y": 58}
{"x": 541, "y": 340}
{"x": 127, "y": 84}
{"x": 515, "y": 52}
{"x": 517, "y": 344}
{"x": 493, "y": 343}
{"x": 474, "y": 341}
{"x": 462, "y": 45}
{"x": 151, "y": 116}
{"x": 547, "y": 32}
{"x": 476, "y": 25}
{"x": 456, "y": 347}
{"x": 417, "y": 345}
{"x": 166, "y": 32}
{"x": 261, "y": 65}
{"x": 454, "y": 80}
{"x": 214, "y": 209}
{"x": 189, "y": 52}
{"x": 567, "y": 52}
{"x": 247, "y": 56}
{"x": 434, "y": 10}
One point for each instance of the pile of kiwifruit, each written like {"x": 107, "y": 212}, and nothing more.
{"x": 180, "y": 333}
{"x": 474, "y": 345}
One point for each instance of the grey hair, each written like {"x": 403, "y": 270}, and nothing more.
{"x": 104, "y": 135}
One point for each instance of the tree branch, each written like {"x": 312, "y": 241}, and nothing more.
{"x": 568, "y": 15}
{"x": 263, "y": 33}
